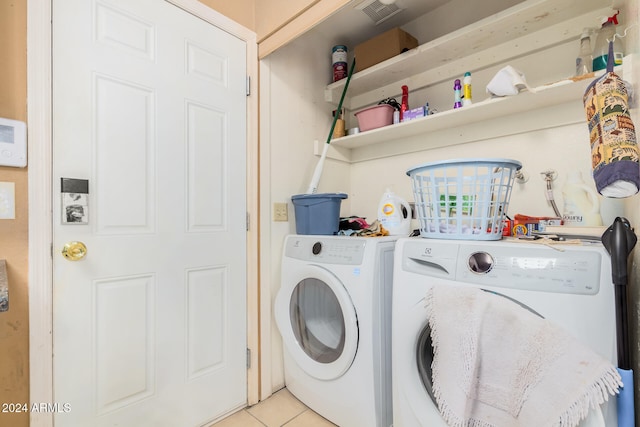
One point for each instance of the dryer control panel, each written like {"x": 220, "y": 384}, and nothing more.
{"x": 344, "y": 251}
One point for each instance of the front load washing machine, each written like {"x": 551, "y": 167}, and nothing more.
{"x": 334, "y": 314}
{"x": 570, "y": 286}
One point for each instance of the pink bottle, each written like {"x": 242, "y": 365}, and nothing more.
{"x": 404, "y": 106}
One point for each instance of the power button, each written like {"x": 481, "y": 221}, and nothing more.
{"x": 317, "y": 248}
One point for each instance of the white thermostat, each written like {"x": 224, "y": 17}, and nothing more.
{"x": 13, "y": 143}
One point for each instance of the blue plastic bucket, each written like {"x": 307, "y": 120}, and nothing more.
{"x": 318, "y": 213}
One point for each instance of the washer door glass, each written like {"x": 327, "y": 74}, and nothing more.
{"x": 424, "y": 357}
{"x": 317, "y": 321}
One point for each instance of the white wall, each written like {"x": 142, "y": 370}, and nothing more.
{"x": 562, "y": 149}
{"x": 293, "y": 115}
{"x": 453, "y": 15}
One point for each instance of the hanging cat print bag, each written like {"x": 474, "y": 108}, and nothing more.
{"x": 614, "y": 149}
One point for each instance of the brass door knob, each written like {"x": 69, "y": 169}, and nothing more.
{"x": 74, "y": 251}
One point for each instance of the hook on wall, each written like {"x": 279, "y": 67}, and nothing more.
{"x": 614, "y": 18}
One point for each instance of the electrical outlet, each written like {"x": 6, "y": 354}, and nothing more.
{"x": 280, "y": 212}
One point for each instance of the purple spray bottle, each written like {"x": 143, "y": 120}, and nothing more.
{"x": 457, "y": 93}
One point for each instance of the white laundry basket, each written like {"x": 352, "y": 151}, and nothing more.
{"x": 463, "y": 198}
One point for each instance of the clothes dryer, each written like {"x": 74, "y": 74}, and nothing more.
{"x": 570, "y": 285}
{"x": 334, "y": 314}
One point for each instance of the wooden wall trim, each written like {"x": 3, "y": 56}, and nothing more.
{"x": 299, "y": 25}
{"x": 40, "y": 222}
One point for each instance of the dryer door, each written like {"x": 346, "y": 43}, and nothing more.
{"x": 317, "y": 321}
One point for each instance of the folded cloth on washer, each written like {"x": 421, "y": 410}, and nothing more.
{"x": 498, "y": 364}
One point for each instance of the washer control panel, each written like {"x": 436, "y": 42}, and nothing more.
{"x": 347, "y": 251}
{"x": 538, "y": 269}
{"x": 573, "y": 270}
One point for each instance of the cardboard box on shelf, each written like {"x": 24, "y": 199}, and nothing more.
{"x": 383, "y": 47}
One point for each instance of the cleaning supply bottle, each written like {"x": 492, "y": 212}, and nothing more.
{"x": 584, "y": 60}
{"x": 601, "y": 49}
{"x": 404, "y": 105}
{"x": 466, "y": 94}
{"x": 394, "y": 214}
{"x": 457, "y": 94}
{"x": 581, "y": 203}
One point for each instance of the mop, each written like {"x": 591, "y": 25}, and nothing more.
{"x": 619, "y": 240}
{"x": 313, "y": 185}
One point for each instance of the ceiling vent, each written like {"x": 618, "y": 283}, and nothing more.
{"x": 377, "y": 11}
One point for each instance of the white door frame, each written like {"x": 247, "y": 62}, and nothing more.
{"x": 39, "y": 113}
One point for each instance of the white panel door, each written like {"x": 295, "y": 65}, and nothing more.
{"x": 149, "y": 109}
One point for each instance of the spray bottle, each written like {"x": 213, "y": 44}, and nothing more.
{"x": 601, "y": 50}
{"x": 584, "y": 60}
{"x": 404, "y": 105}
{"x": 394, "y": 214}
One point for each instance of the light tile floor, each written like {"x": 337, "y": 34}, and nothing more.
{"x": 282, "y": 409}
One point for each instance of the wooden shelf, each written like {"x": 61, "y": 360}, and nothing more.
{"x": 550, "y": 105}
{"x": 526, "y": 28}
{"x": 522, "y": 29}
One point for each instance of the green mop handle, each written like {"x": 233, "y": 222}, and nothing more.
{"x": 344, "y": 92}
{"x": 315, "y": 179}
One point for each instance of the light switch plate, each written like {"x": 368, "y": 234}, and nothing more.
{"x": 7, "y": 200}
